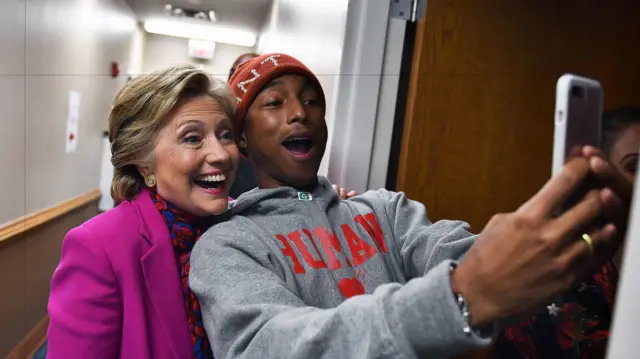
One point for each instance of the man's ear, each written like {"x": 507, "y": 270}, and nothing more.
{"x": 242, "y": 142}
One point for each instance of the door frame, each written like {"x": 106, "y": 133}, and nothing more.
{"x": 366, "y": 97}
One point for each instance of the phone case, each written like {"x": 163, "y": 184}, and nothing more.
{"x": 577, "y": 116}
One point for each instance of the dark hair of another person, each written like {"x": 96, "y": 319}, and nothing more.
{"x": 246, "y": 57}
{"x": 614, "y": 123}
{"x": 245, "y": 179}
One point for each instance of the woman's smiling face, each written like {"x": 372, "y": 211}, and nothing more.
{"x": 196, "y": 157}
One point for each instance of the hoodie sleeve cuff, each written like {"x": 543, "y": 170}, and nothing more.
{"x": 438, "y": 326}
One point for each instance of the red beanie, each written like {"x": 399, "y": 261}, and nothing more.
{"x": 252, "y": 76}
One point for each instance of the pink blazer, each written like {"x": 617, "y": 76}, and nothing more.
{"x": 116, "y": 291}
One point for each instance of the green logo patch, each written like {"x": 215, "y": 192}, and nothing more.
{"x": 304, "y": 196}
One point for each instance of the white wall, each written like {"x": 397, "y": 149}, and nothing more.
{"x": 161, "y": 51}
{"x": 50, "y": 47}
{"x": 313, "y": 31}
{"x": 136, "y": 54}
{"x": 12, "y": 102}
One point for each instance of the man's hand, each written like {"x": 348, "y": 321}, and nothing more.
{"x": 618, "y": 193}
{"x": 523, "y": 259}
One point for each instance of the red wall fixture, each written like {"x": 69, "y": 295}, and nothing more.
{"x": 115, "y": 71}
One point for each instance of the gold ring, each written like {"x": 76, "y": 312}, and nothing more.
{"x": 589, "y": 241}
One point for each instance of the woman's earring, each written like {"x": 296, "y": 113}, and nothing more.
{"x": 150, "y": 181}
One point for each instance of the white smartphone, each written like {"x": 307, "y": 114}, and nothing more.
{"x": 577, "y": 116}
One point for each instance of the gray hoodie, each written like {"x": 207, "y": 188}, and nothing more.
{"x": 304, "y": 275}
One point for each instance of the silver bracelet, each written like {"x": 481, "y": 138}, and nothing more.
{"x": 485, "y": 331}
{"x": 462, "y": 304}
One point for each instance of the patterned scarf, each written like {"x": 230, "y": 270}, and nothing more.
{"x": 579, "y": 330}
{"x": 185, "y": 231}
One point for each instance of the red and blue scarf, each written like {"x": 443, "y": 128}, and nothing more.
{"x": 185, "y": 230}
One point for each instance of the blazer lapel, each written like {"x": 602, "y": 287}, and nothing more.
{"x": 162, "y": 280}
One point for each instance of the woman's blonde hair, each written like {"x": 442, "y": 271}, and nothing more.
{"x": 139, "y": 113}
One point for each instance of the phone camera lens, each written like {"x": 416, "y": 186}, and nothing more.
{"x": 577, "y": 92}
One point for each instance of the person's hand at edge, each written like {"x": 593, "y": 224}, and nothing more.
{"x": 522, "y": 260}
{"x": 343, "y": 192}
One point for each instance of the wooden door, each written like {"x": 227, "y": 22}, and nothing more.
{"x": 478, "y": 131}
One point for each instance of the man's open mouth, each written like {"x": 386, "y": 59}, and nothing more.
{"x": 210, "y": 182}
{"x": 299, "y": 146}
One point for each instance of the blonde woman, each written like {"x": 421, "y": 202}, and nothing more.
{"x": 120, "y": 290}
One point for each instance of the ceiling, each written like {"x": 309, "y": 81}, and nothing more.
{"x": 246, "y": 14}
